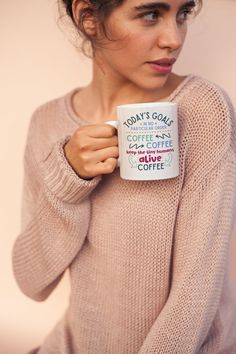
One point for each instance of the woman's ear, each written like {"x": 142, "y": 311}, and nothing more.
{"x": 89, "y": 21}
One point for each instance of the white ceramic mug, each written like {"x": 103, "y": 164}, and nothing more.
{"x": 147, "y": 140}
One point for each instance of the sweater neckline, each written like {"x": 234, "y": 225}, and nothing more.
{"x": 76, "y": 118}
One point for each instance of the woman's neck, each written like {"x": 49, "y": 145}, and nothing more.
{"x": 97, "y": 102}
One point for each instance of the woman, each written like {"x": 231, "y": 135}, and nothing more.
{"x": 147, "y": 259}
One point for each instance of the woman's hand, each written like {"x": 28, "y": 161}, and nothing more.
{"x": 93, "y": 150}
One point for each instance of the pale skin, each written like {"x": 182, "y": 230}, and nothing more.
{"x": 121, "y": 75}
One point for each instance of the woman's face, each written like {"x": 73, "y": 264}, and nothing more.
{"x": 154, "y": 31}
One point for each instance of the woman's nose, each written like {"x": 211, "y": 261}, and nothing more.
{"x": 171, "y": 36}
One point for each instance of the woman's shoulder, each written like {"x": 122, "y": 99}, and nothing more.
{"x": 51, "y": 111}
{"x": 48, "y": 123}
{"x": 207, "y": 121}
{"x": 204, "y": 94}
{"x": 207, "y": 105}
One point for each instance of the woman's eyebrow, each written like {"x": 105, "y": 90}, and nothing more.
{"x": 154, "y": 5}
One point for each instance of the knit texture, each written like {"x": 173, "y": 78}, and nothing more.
{"x": 148, "y": 260}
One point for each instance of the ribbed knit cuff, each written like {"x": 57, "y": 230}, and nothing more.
{"x": 62, "y": 180}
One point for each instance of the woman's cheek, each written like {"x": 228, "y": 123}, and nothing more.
{"x": 136, "y": 43}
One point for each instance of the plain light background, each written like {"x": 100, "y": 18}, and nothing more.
{"x": 38, "y": 63}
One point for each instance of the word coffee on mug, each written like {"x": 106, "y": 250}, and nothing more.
{"x": 147, "y": 140}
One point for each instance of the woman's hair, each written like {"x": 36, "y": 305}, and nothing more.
{"x": 99, "y": 10}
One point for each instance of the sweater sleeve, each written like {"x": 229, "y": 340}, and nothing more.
{"x": 190, "y": 321}
{"x": 55, "y": 219}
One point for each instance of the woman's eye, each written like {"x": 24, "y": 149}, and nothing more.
{"x": 184, "y": 15}
{"x": 151, "y": 16}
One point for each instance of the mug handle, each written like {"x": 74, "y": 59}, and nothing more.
{"x": 114, "y": 123}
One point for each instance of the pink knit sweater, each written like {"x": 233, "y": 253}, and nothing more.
{"x": 148, "y": 260}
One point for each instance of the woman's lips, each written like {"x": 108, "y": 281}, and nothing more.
{"x": 163, "y": 65}
{"x": 163, "y": 69}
